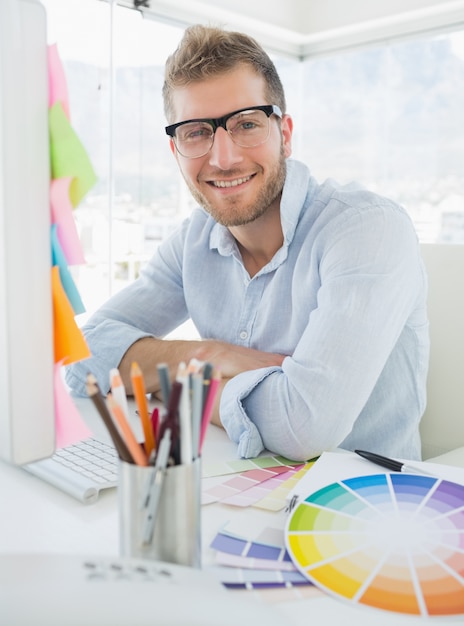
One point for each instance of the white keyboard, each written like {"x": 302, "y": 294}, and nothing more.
{"x": 82, "y": 470}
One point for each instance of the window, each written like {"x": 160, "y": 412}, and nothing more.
{"x": 388, "y": 116}
{"x": 391, "y": 118}
{"x": 116, "y": 109}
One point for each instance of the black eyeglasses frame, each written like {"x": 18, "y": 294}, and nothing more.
{"x": 220, "y": 122}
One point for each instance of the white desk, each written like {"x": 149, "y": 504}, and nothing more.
{"x": 38, "y": 518}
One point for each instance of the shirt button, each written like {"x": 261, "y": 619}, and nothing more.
{"x": 243, "y": 334}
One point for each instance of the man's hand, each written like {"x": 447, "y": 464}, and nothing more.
{"x": 228, "y": 358}
{"x": 233, "y": 360}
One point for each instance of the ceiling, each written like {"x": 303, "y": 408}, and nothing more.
{"x": 306, "y": 27}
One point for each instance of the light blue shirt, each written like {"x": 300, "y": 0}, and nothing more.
{"x": 344, "y": 298}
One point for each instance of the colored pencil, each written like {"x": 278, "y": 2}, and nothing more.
{"x": 135, "y": 449}
{"x": 93, "y": 391}
{"x": 208, "y": 408}
{"x": 138, "y": 387}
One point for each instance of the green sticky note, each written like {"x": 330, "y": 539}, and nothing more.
{"x": 68, "y": 156}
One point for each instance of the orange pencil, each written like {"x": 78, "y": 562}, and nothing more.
{"x": 129, "y": 437}
{"x": 138, "y": 387}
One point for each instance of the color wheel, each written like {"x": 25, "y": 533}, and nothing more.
{"x": 390, "y": 541}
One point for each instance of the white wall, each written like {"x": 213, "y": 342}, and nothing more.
{"x": 307, "y": 27}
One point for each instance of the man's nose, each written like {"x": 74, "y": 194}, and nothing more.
{"x": 224, "y": 152}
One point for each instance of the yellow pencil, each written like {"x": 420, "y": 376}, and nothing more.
{"x": 138, "y": 387}
{"x": 126, "y": 431}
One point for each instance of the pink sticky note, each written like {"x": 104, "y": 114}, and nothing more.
{"x": 69, "y": 425}
{"x": 62, "y": 216}
{"x": 57, "y": 85}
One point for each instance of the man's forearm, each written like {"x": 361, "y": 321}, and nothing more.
{"x": 229, "y": 358}
{"x": 148, "y": 353}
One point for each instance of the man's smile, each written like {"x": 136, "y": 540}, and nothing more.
{"x": 230, "y": 183}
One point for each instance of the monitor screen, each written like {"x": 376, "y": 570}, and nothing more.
{"x": 27, "y": 423}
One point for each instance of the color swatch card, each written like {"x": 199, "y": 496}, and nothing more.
{"x": 237, "y": 466}
{"x": 249, "y": 487}
{"x": 392, "y": 541}
{"x": 238, "y": 578}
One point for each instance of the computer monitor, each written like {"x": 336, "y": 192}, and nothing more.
{"x": 27, "y": 422}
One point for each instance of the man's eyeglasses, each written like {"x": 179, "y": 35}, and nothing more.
{"x": 247, "y": 128}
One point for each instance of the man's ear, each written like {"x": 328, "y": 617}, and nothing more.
{"x": 287, "y": 131}
{"x": 172, "y": 145}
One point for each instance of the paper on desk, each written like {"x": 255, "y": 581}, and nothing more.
{"x": 332, "y": 467}
{"x": 236, "y": 466}
{"x": 248, "y": 487}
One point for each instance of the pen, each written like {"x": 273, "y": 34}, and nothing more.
{"x": 185, "y": 420}
{"x": 165, "y": 382}
{"x": 207, "y": 371}
{"x": 171, "y": 421}
{"x": 138, "y": 387}
{"x": 391, "y": 464}
{"x": 197, "y": 409}
{"x": 97, "y": 398}
{"x": 156, "y": 486}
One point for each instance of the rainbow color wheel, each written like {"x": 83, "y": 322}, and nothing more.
{"x": 390, "y": 541}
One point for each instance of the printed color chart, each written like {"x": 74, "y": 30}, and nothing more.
{"x": 390, "y": 541}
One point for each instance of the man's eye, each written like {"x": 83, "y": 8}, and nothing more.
{"x": 195, "y": 133}
{"x": 247, "y": 125}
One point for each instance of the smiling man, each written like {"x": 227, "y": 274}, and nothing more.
{"x": 310, "y": 297}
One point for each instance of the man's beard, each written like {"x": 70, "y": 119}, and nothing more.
{"x": 238, "y": 214}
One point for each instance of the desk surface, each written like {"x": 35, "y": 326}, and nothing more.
{"x": 38, "y": 518}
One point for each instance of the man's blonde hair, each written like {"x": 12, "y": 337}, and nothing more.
{"x": 205, "y": 52}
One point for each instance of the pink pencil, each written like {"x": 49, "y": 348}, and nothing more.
{"x": 209, "y": 404}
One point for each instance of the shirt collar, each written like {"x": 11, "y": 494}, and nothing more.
{"x": 291, "y": 204}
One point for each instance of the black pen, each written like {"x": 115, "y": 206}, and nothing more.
{"x": 391, "y": 464}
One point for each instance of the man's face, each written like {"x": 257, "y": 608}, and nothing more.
{"x": 235, "y": 185}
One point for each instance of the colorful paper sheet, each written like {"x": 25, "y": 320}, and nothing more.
{"x": 62, "y": 216}
{"x": 68, "y": 156}
{"x": 57, "y": 85}
{"x": 234, "y": 490}
{"x": 70, "y": 345}
{"x": 277, "y": 499}
{"x": 72, "y": 176}
{"x": 239, "y": 578}
{"x": 389, "y": 541}
{"x": 240, "y": 546}
{"x": 67, "y": 281}
{"x": 69, "y": 426}
{"x": 266, "y": 488}
{"x": 241, "y": 465}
